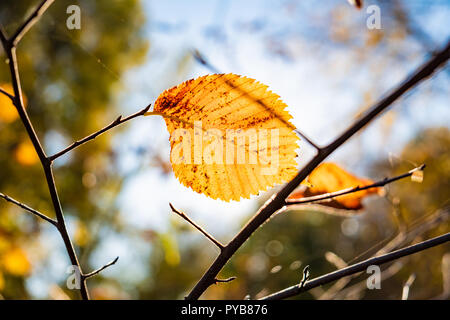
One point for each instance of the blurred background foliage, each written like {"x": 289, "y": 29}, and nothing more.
{"x": 73, "y": 79}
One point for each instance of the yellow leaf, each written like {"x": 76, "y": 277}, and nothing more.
{"x": 25, "y": 153}
{"x": 8, "y": 112}
{"x": 329, "y": 177}
{"x": 15, "y": 262}
{"x": 230, "y": 136}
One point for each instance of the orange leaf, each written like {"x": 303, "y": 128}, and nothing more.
{"x": 230, "y": 137}
{"x": 329, "y": 177}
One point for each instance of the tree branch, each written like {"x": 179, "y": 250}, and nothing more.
{"x": 10, "y": 49}
{"x": 196, "y": 226}
{"x": 327, "y": 196}
{"x": 95, "y": 272}
{"x": 277, "y": 201}
{"x": 94, "y": 135}
{"x": 27, "y": 208}
{"x": 32, "y": 19}
{"x": 358, "y": 267}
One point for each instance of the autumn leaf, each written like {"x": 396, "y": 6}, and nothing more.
{"x": 8, "y": 112}
{"x": 230, "y": 136}
{"x": 329, "y": 177}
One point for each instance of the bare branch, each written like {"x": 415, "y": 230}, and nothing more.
{"x": 32, "y": 19}
{"x": 95, "y": 272}
{"x": 358, "y": 267}
{"x": 94, "y": 135}
{"x": 277, "y": 202}
{"x": 331, "y": 195}
{"x": 196, "y": 226}
{"x": 10, "y": 50}
{"x": 27, "y": 208}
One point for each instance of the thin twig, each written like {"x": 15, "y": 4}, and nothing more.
{"x": 358, "y": 267}
{"x": 327, "y": 196}
{"x": 196, "y": 226}
{"x": 27, "y": 208}
{"x": 95, "y": 272}
{"x": 94, "y": 135}
{"x": 277, "y": 202}
{"x": 32, "y": 19}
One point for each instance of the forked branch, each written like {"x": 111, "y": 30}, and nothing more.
{"x": 9, "y": 46}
